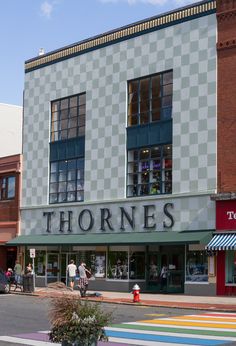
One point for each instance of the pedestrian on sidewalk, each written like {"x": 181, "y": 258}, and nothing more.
{"x": 9, "y": 274}
{"x": 84, "y": 273}
{"x": 71, "y": 270}
{"x": 17, "y": 271}
{"x": 29, "y": 269}
{"x": 163, "y": 277}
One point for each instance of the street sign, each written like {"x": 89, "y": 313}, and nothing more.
{"x": 32, "y": 253}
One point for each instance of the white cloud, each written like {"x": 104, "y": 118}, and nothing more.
{"x": 152, "y": 2}
{"x": 46, "y": 9}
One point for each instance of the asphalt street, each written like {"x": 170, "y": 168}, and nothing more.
{"x": 22, "y": 315}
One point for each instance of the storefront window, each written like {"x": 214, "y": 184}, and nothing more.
{"x": 137, "y": 265}
{"x": 100, "y": 265}
{"x": 196, "y": 266}
{"x": 52, "y": 265}
{"x": 40, "y": 262}
{"x": 118, "y": 265}
{"x": 230, "y": 270}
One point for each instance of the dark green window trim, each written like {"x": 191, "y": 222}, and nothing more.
{"x": 150, "y": 134}
{"x": 68, "y": 149}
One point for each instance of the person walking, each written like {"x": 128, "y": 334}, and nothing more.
{"x": 71, "y": 270}
{"x": 164, "y": 272}
{"x": 17, "y": 271}
{"x": 83, "y": 279}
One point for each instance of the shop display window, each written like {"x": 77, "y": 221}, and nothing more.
{"x": 40, "y": 262}
{"x": 196, "y": 266}
{"x": 230, "y": 264}
{"x": 137, "y": 266}
{"x": 100, "y": 265}
{"x": 149, "y": 171}
{"x": 118, "y": 265}
{"x": 52, "y": 265}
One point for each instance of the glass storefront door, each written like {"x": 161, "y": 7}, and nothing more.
{"x": 52, "y": 267}
{"x": 172, "y": 260}
{"x": 175, "y": 278}
{"x": 153, "y": 272}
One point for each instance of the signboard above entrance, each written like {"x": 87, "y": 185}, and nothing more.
{"x": 104, "y": 220}
{"x": 226, "y": 215}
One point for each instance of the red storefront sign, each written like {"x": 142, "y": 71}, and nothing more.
{"x": 226, "y": 215}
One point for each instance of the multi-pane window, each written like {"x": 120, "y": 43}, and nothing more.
{"x": 67, "y": 181}
{"x": 150, "y": 99}
{"x": 149, "y": 171}
{"x": 7, "y": 187}
{"x": 68, "y": 118}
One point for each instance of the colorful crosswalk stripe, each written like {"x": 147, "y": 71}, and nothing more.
{"x": 200, "y": 329}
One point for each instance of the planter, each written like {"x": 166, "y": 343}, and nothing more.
{"x": 92, "y": 342}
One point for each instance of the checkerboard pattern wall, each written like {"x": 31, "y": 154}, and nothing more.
{"x": 189, "y": 49}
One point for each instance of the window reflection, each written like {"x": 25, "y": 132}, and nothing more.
{"x": 118, "y": 265}
{"x": 67, "y": 181}
{"x": 68, "y": 118}
{"x": 150, "y": 99}
{"x": 7, "y": 187}
{"x": 197, "y": 266}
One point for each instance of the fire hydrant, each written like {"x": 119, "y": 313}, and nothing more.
{"x": 136, "y": 290}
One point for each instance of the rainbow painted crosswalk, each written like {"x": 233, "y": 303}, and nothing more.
{"x": 204, "y": 329}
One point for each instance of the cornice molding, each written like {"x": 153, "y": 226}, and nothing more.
{"x": 155, "y": 23}
{"x": 229, "y": 44}
{"x": 226, "y": 15}
{"x": 224, "y": 196}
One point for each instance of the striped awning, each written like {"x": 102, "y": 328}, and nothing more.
{"x": 222, "y": 242}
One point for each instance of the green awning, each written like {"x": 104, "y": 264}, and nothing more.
{"x": 138, "y": 238}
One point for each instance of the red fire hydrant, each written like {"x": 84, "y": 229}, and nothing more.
{"x": 136, "y": 290}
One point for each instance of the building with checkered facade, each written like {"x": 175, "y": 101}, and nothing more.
{"x": 119, "y": 147}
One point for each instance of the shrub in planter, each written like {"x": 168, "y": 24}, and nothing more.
{"x": 75, "y": 322}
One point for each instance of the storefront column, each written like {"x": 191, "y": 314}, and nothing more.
{"x": 220, "y": 272}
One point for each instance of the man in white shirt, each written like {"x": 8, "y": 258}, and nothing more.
{"x": 71, "y": 270}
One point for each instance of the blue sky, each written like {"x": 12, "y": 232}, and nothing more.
{"x": 28, "y": 25}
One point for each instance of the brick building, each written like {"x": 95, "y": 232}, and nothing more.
{"x": 10, "y": 180}
{"x": 223, "y": 245}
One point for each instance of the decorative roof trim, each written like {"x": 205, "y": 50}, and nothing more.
{"x": 224, "y": 196}
{"x": 155, "y": 23}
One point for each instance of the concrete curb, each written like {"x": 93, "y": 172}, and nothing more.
{"x": 126, "y": 301}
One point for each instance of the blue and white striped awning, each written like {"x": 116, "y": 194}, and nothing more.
{"x": 222, "y": 242}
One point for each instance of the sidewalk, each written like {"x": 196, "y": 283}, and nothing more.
{"x": 227, "y": 304}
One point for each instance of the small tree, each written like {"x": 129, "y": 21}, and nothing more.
{"x": 77, "y": 322}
